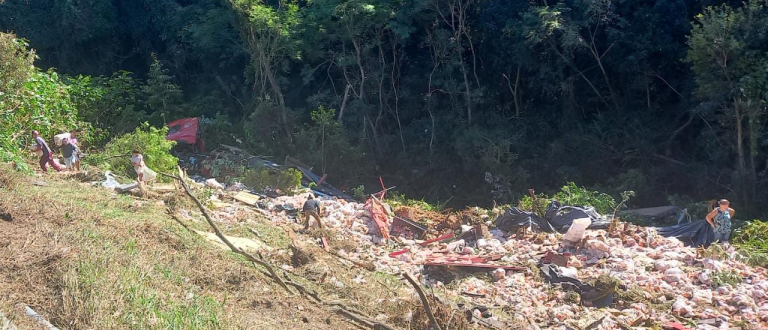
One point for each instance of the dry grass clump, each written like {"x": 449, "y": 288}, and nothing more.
{"x": 9, "y": 179}
{"x": 335, "y": 242}
{"x": 446, "y": 316}
{"x": 301, "y": 256}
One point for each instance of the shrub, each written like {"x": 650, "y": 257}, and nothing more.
{"x": 109, "y": 104}
{"x": 359, "y": 192}
{"x": 151, "y": 143}
{"x": 753, "y": 235}
{"x": 753, "y": 242}
{"x": 285, "y": 181}
{"x": 30, "y": 99}
{"x": 571, "y": 194}
{"x": 396, "y": 199}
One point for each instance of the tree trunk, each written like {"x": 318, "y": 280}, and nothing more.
{"x": 754, "y": 133}
{"x": 573, "y": 67}
{"x": 280, "y": 99}
{"x": 598, "y": 59}
{"x": 739, "y": 136}
{"x": 515, "y": 90}
{"x": 344, "y": 102}
{"x": 393, "y": 79}
{"x": 468, "y": 94}
{"x": 362, "y": 70}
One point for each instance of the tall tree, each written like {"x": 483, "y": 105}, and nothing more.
{"x": 728, "y": 48}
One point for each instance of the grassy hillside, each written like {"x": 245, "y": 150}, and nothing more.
{"x": 86, "y": 258}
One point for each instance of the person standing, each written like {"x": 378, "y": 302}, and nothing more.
{"x": 311, "y": 208}
{"x": 720, "y": 220}
{"x": 137, "y": 160}
{"x": 69, "y": 151}
{"x": 74, "y": 142}
{"x": 47, "y": 157}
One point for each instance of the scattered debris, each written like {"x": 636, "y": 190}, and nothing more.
{"x": 246, "y": 198}
{"x": 406, "y": 228}
{"x": 640, "y": 277}
{"x": 37, "y": 317}
{"x": 5, "y": 323}
{"x": 214, "y": 184}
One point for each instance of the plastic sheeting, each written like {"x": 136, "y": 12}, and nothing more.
{"x": 516, "y": 218}
{"x": 557, "y": 218}
{"x": 562, "y": 218}
{"x": 697, "y": 233}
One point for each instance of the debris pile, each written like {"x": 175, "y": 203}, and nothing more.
{"x": 658, "y": 279}
{"x": 610, "y": 278}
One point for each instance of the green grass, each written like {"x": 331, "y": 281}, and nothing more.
{"x": 396, "y": 200}
{"x": 270, "y": 234}
{"x": 116, "y": 280}
{"x": 725, "y": 277}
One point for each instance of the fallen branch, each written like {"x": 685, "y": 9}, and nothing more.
{"x": 341, "y": 309}
{"x": 424, "y": 300}
{"x": 221, "y": 236}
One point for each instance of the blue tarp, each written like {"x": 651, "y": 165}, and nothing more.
{"x": 696, "y": 233}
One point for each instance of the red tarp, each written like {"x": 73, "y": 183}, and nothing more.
{"x": 183, "y": 130}
{"x": 379, "y": 214}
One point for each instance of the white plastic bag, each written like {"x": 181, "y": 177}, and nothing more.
{"x": 576, "y": 233}
{"x": 149, "y": 174}
{"x": 109, "y": 181}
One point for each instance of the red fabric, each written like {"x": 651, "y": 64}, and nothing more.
{"x": 46, "y": 159}
{"x": 183, "y": 130}
{"x": 675, "y": 326}
{"x": 379, "y": 214}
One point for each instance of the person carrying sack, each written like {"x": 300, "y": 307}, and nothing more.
{"x": 47, "y": 156}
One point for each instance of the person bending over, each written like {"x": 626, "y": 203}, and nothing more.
{"x": 311, "y": 208}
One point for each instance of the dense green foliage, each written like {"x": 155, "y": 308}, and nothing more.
{"x": 30, "y": 99}
{"x": 571, "y": 194}
{"x": 285, "y": 181}
{"x": 150, "y": 141}
{"x": 449, "y": 100}
{"x": 753, "y": 234}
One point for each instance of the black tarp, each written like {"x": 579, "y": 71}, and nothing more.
{"x": 561, "y": 217}
{"x": 516, "y": 218}
{"x": 696, "y": 233}
{"x": 557, "y": 218}
{"x": 590, "y": 295}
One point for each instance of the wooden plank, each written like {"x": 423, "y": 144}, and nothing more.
{"x": 246, "y": 198}
{"x": 425, "y": 243}
{"x": 474, "y": 265}
{"x": 163, "y": 187}
{"x": 126, "y": 187}
{"x": 325, "y": 245}
{"x": 220, "y": 205}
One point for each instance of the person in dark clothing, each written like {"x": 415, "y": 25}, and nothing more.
{"x": 311, "y": 208}
{"x": 69, "y": 151}
{"x": 47, "y": 156}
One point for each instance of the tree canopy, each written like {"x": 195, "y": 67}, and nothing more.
{"x": 463, "y": 101}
